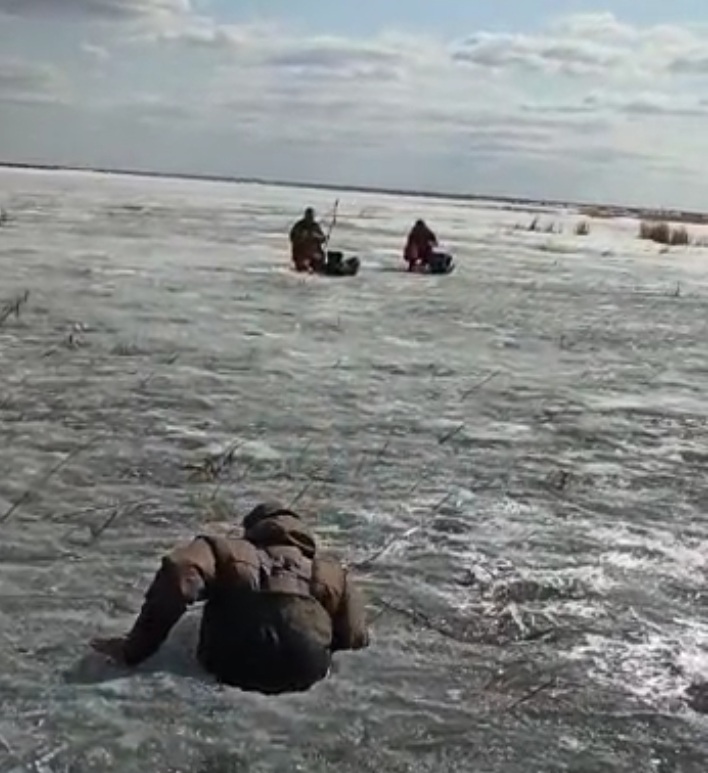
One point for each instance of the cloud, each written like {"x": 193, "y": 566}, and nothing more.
{"x": 333, "y": 54}
{"x": 385, "y": 90}
{"x": 98, "y": 9}
{"x": 658, "y": 104}
{"x": 572, "y": 57}
{"x": 639, "y": 104}
{"x": 204, "y": 33}
{"x": 269, "y": 46}
{"x": 577, "y": 47}
{"x": 99, "y": 53}
{"x": 31, "y": 83}
{"x": 148, "y": 107}
{"x": 591, "y": 45}
{"x": 691, "y": 63}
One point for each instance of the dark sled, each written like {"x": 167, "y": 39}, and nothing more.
{"x": 438, "y": 263}
{"x": 337, "y": 265}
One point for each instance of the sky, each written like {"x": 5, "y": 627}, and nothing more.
{"x": 560, "y": 99}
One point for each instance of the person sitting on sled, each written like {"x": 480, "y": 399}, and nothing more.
{"x": 420, "y": 246}
{"x": 307, "y": 241}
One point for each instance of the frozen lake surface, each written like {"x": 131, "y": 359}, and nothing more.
{"x": 527, "y": 436}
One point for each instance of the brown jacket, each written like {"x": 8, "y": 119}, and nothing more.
{"x": 307, "y": 240}
{"x": 276, "y": 556}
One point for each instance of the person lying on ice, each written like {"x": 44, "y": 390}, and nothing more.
{"x": 275, "y": 610}
{"x": 307, "y": 242}
{"x": 420, "y": 245}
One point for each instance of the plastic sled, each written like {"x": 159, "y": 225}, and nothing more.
{"x": 438, "y": 263}
{"x": 337, "y": 265}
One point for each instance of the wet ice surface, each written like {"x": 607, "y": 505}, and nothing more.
{"x": 535, "y": 425}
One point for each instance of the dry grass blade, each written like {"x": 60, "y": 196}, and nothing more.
{"x": 450, "y": 435}
{"x": 422, "y": 620}
{"x": 418, "y": 483}
{"x": 99, "y": 508}
{"x": 380, "y": 453}
{"x": 211, "y": 468}
{"x": 479, "y": 384}
{"x": 360, "y": 466}
{"x": 147, "y": 379}
{"x": 443, "y": 501}
{"x": 97, "y": 532}
{"x": 116, "y": 509}
{"x": 13, "y": 307}
{"x": 301, "y": 456}
{"x": 515, "y": 615}
{"x": 367, "y": 562}
{"x": 531, "y": 694}
{"x": 377, "y": 457}
{"x": 379, "y": 552}
{"x": 301, "y": 493}
{"x": 28, "y": 493}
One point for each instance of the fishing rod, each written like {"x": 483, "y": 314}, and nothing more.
{"x": 332, "y": 222}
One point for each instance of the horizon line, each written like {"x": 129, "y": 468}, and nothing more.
{"x": 604, "y": 210}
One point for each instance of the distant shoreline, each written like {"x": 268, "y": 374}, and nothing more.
{"x": 586, "y": 209}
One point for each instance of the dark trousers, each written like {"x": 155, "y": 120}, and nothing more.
{"x": 263, "y": 652}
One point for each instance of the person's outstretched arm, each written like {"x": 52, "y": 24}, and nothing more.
{"x": 181, "y": 580}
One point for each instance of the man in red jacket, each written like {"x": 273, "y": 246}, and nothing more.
{"x": 420, "y": 245}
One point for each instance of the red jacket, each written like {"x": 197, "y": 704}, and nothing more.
{"x": 420, "y": 244}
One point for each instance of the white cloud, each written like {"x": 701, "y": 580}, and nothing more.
{"x": 102, "y": 9}
{"x": 642, "y": 103}
{"x": 592, "y": 45}
{"x": 147, "y": 107}
{"x": 98, "y": 53}
{"x": 270, "y": 45}
{"x": 693, "y": 62}
{"x": 564, "y": 56}
{"x": 31, "y": 83}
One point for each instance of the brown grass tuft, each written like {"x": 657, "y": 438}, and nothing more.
{"x": 663, "y": 233}
{"x": 680, "y": 237}
{"x": 537, "y": 227}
